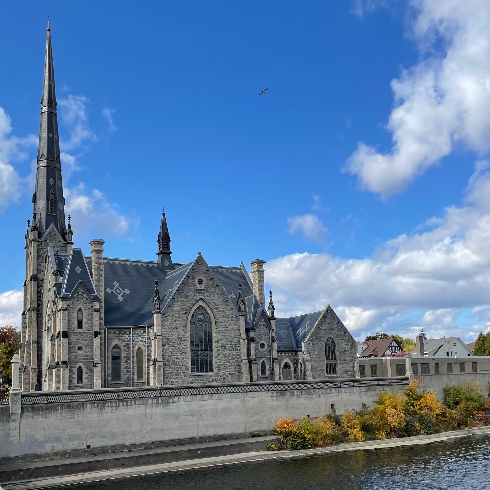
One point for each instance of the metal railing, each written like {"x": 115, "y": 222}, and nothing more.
{"x": 40, "y": 398}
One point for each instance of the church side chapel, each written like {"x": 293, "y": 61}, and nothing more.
{"x": 95, "y": 322}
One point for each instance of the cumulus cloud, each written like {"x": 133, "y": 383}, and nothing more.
{"x": 440, "y": 102}
{"x": 11, "y": 308}
{"x": 92, "y": 212}
{"x": 74, "y": 115}
{"x": 108, "y": 114}
{"x": 11, "y": 148}
{"x": 308, "y": 225}
{"x": 437, "y": 271}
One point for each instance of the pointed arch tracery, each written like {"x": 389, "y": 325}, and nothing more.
{"x": 201, "y": 324}
{"x": 330, "y": 356}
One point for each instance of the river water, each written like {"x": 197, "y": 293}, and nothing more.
{"x": 456, "y": 464}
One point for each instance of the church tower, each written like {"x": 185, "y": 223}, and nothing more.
{"x": 48, "y": 200}
{"x": 46, "y": 229}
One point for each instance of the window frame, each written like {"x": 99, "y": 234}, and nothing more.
{"x": 211, "y": 331}
{"x": 120, "y": 367}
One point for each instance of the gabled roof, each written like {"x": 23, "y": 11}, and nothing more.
{"x": 377, "y": 348}
{"x": 75, "y": 271}
{"x": 291, "y": 332}
{"x": 129, "y": 289}
{"x": 434, "y": 346}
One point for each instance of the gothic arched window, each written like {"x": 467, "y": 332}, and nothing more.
{"x": 79, "y": 318}
{"x": 116, "y": 363}
{"x": 301, "y": 375}
{"x": 287, "y": 372}
{"x": 330, "y": 356}
{"x": 79, "y": 375}
{"x": 201, "y": 341}
{"x": 139, "y": 364}
{"x": 263, "y": 368}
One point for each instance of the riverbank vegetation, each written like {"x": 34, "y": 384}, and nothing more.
{"x": 394, "y": 415}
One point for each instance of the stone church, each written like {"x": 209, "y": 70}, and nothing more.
{"x": 96, "y": 322}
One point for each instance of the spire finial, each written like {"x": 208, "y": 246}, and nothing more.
{"x": 49, "y": 24}
{"x": 240, "y": 301}
{"x": 271, "y": 308}
{"x": 156, "y": 299}
{"x": 69, "y": 222}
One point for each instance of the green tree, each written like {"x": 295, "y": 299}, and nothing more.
{"x": 9, "y": 345}
{"x": 482, "y": 345}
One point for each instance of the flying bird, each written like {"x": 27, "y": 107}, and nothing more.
{"x": 264, "y": 91}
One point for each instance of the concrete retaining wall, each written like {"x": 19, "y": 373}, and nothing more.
{"x": 47, "y": 427}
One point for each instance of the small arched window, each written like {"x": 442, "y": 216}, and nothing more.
{"x": 286, "y": 371}
{"x": 79, "y": 318}
{"x": 79, "y": 375}
{"x": 201, "y": 341}
{"x": 139, "y": 364}
{"x": 263, "y": 368}
{"x": 116, "y": 363}
{"x": 301, "y": 370}
{"x": 330, "y": 356}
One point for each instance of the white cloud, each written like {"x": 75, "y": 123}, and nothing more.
{"x": 442, "y": 101}
{"x": 11, "y": 148}
{"x": 11, "y": 308}
{"x": 308, "y": 225}
{"x": 440, "y": 270}
{"x": 362, "y": 7}
{"x": 73, "y": 114}
{"x": 92, "y": 212}
{"x": 108, "y": 114}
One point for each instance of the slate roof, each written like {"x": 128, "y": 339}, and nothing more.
{"x": 291, "y": 332}
{"x": 129, "y": 288}
{"x": 75, "y": 271}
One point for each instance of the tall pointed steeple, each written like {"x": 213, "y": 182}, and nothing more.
{"x": 49, "y": 203}
{"x": 164, "y": 252}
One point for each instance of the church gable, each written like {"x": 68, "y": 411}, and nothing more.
{"x": 76, "y": 272}
{"x": 203, "y": 312}
{"x": 330, "y": 347}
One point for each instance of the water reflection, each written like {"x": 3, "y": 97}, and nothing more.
{"x": 460, "y": 464}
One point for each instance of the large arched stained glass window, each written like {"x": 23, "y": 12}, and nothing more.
{"x": 116, "y": 363}
{"x": 330, "y": 356}
{"x": 201, "y": 341}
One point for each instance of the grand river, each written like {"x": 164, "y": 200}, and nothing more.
{"x": 456, "y": 464}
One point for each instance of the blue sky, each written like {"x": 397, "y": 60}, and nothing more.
{"x": 360, "y": 177}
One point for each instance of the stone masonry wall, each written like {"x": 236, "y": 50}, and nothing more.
{"x": 200, "y": 285}
{"x": 329, "y": 325}
{"x": 80, "y": 341}
{"x": 122, "y": 337}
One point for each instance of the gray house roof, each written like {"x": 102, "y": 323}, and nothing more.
{"x": 291, "y": 332}
{"x": 440, "y": 347}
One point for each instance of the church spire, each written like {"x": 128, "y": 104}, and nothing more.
{"x": 48, "y": 199}
{"x": 164, "y": 252}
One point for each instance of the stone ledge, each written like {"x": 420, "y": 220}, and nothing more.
{"x": 251, "y": 457}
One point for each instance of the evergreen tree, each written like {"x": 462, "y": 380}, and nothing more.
{"x": 482, "y": 345}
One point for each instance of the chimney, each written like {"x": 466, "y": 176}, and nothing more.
{"x": 419, "y": 344}
{"x": 258, "y": 280}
